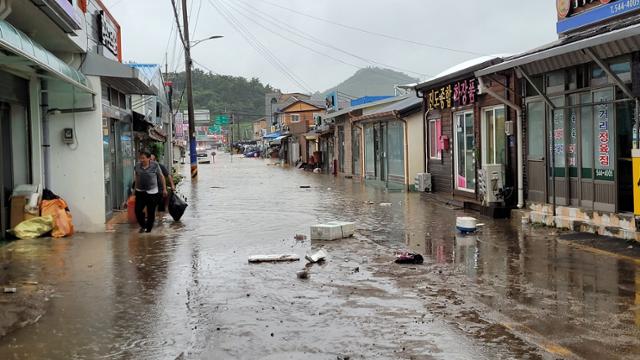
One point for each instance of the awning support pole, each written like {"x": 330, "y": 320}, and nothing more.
{"x": 520, "y": 161}
{"x": 625, "y": 89}
{"x": 552, "y": 108}
{"x": 535, "y": 87}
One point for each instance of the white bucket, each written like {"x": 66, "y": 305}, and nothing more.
{"x": 466, "y": 224}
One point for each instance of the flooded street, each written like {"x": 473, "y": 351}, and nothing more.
{"x": 186, "y": 290}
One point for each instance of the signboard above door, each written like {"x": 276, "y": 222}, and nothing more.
{"x": 577, "y": 14}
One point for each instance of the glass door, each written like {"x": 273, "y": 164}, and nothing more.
{"x": 341, "y": 149}
{"x": 106, "y": 150}
{"x": 464, "y": 143}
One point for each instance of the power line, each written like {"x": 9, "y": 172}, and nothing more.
{"x": 392, "y": 37}
{"x": 205, "y": 67}
{"x": 195, "y": 27}
{"x": 257, "y": 45}
{"x": 274, "y": 60}
{"x": 302, "y": 34}
{"x": 175, "y": 14}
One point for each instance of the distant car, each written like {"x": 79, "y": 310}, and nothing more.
{"x": 253, "y": 153}
{"x": 203, "y": 158}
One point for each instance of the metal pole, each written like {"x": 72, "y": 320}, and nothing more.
{"x": 193, "y": 155}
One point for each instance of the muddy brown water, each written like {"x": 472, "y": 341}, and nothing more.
{"x": 186, "y": 291}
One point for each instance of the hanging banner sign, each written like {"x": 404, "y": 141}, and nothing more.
{"x": 576, "y": 14}
{"x": 109, "y": 34}
{"x": 462, "y": 93}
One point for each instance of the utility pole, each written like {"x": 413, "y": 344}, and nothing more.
{"x": 193, "y": 155}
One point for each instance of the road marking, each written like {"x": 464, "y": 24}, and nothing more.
{"x": 539, "y": 340}
{"x": 599, "y": 251}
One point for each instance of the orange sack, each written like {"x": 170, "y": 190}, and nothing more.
{"x": 62, "y": 220}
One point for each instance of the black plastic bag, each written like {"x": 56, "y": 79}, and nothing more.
{"x": 177, "y": 206}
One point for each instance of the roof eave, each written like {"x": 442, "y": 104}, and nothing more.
{"x": 457, "y": 75}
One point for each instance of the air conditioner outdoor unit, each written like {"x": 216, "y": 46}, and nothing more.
{"x": 492, "y": 183}
{"x": 423, "y": 182}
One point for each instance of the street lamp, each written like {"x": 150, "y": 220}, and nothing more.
{"x": 196, "y": 42}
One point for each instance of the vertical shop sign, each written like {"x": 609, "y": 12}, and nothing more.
{"x": 604, "y": 169}
{"x": 573, "y": 140}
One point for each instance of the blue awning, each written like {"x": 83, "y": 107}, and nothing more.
{"x": 272, "y": 136}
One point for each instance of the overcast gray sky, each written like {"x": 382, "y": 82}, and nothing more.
{"x": 482, "y": 27}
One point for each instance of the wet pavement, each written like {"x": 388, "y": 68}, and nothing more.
{"x": 186, "y": 291}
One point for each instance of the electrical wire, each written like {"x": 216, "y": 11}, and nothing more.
{"x": 175, "y": 14}
{"x": 205, "y": 67}
{"x": 391, "y": 37}
{"x": 195, "y": 27}
{"x": 258, "y": 45}
{"x": 305, "y": 35}
{"x": 274, "y": 60}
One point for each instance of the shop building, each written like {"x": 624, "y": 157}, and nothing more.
{"x": 344, "y": 148}
{"x": 392, "y": 144}
{"x": 470, "y": 137}
{"x": 296, "y": 119}
{"x": 580, "y": 104}
{"x": 37, "y": 88}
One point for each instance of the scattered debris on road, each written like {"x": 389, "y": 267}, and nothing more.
{"x": 406, "y": 257}
{"x": 273, "y": 258}
{"x": 333, "y": 230}
{"x": 303, "y": 274}
{"x": 318, "y": 256}
{"x": 466, "y": 224}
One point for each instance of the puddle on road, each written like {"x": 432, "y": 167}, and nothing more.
{"x": 187, "y": 289}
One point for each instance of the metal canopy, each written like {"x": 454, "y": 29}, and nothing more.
{"x": 19, "y": 49}
{"x": 568, "y": 52}
{"x": 122, "y": 77}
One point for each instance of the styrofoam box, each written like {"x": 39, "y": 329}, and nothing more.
{"x": 333, "y": 230}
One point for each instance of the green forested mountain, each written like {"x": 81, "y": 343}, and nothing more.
{"x": 223, "y": 93}
{"x": 245, "y": 98}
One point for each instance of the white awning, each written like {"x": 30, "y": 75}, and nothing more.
{"x": 122, "y": 77}
{"x": 20, "y": 50}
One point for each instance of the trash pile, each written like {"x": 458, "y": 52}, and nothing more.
{"x": 330, "y": 231}
{"x": 36, "y": 213}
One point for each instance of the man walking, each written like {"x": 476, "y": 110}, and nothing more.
{"x": 149, "y": 180}
{"x": 162, "y": 200}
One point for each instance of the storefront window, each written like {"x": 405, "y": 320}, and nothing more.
{"x": 396, "y": 149}
{"x": 493, "y": 136}
{"x": 603, "y": 124}
{"x": 435, "y": 132}
{"x": 557, "y": 141}
{"x": 555, "y": 82}
{"x": 586, "y": 136}
{"x": 465, "y": 152}
{"x": 535, "y": 129}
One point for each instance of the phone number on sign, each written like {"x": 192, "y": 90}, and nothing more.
{"x": 624, "y": 5}
{"x": 604, "y": 173}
